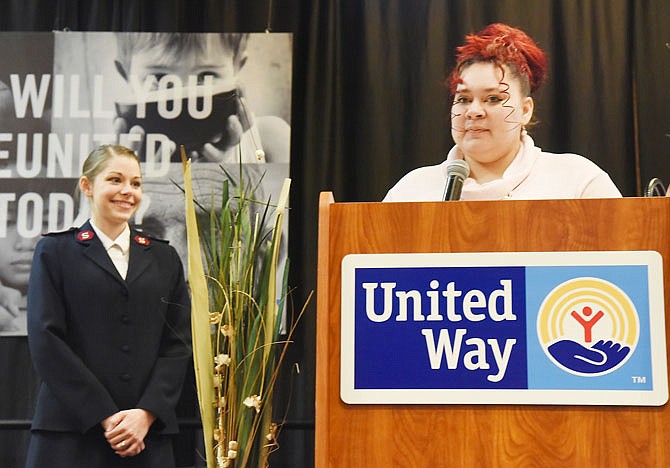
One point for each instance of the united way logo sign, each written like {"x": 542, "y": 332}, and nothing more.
{"x": 523, "y": 328}
{"x": 567, "y": 331}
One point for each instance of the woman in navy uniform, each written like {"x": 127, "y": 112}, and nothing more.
{"x": 108, "y": 329}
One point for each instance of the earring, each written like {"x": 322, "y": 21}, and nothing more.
{"x": 524, "y": 132}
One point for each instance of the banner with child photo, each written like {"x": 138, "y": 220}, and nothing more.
{"x": 226, "y": 98}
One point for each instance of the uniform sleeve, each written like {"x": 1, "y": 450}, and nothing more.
{"x": 164, "y": 387}
{"x": 67, "y": 377}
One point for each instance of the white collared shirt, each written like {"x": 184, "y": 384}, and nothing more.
{"x": 118, "y": 249}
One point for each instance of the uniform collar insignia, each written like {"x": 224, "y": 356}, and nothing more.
{"x": 142, "y": 240}
{"x": 86, "y": 235}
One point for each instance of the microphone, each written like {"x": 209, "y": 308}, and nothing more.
{"x": 457, "y": 172}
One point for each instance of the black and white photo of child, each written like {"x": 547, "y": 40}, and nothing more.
{"x": 28, "y": 208}
{"x": 75, "y": 97}
{"x": 225, "y": 97}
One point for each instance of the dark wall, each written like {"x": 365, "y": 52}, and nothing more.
{"x": 368, "y": 105}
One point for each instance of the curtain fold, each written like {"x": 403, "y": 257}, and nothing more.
{"x": 369, "y": 105}
{"x": 650, "y": 38}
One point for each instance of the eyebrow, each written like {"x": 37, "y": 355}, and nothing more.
{"x": 169, "y": 68}
{"x": 121, "y": 174}
{"x": 486, "y": 90}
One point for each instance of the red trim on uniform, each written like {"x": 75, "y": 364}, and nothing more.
{"x": 85, "y": 235}
{"x": 141, "y": 240}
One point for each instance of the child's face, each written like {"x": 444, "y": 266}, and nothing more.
{"x": 215, "y": 61}
{"x": 16, "y": 258}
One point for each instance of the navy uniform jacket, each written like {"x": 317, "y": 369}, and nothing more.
{"x": 101, "y": 344}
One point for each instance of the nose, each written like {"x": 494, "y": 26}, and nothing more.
{"x": 24, "y": 244}
{"x": 475, "y": 110}
{"x": 126, "y": 188}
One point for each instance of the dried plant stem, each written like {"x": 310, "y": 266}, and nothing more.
{"x": 237, "y": 353}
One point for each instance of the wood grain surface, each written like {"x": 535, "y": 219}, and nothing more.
{"x": 371, "y": 436}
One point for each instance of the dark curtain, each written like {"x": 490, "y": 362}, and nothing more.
{"x": 369, "y": 105}
{"x": 651, "y": 66}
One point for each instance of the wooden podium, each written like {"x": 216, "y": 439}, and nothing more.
{"x": 428, "y": 436}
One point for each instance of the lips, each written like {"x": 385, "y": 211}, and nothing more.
{"x": 124, "y": 204}
{"x": 26, "y": 262}
{"x": 21, "y": 266}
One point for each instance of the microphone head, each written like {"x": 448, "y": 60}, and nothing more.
{"x": 458, "y": 168}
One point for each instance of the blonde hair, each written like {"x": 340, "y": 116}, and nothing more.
{"x": 97, "y": 159}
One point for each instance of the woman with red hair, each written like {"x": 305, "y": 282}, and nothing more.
{"x": 497, "y": 71}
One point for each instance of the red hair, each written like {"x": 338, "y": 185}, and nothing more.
{"x": 502, "y": 45}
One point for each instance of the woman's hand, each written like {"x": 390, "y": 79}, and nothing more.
{"x": 125, "y": 431}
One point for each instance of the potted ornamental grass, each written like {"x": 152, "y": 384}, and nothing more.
{"x": 240, "y": 334}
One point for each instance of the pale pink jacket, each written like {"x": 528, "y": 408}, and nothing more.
{"x": 534, "y": 174}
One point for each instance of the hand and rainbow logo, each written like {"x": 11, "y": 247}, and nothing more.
{"x": 588, "y": 326}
